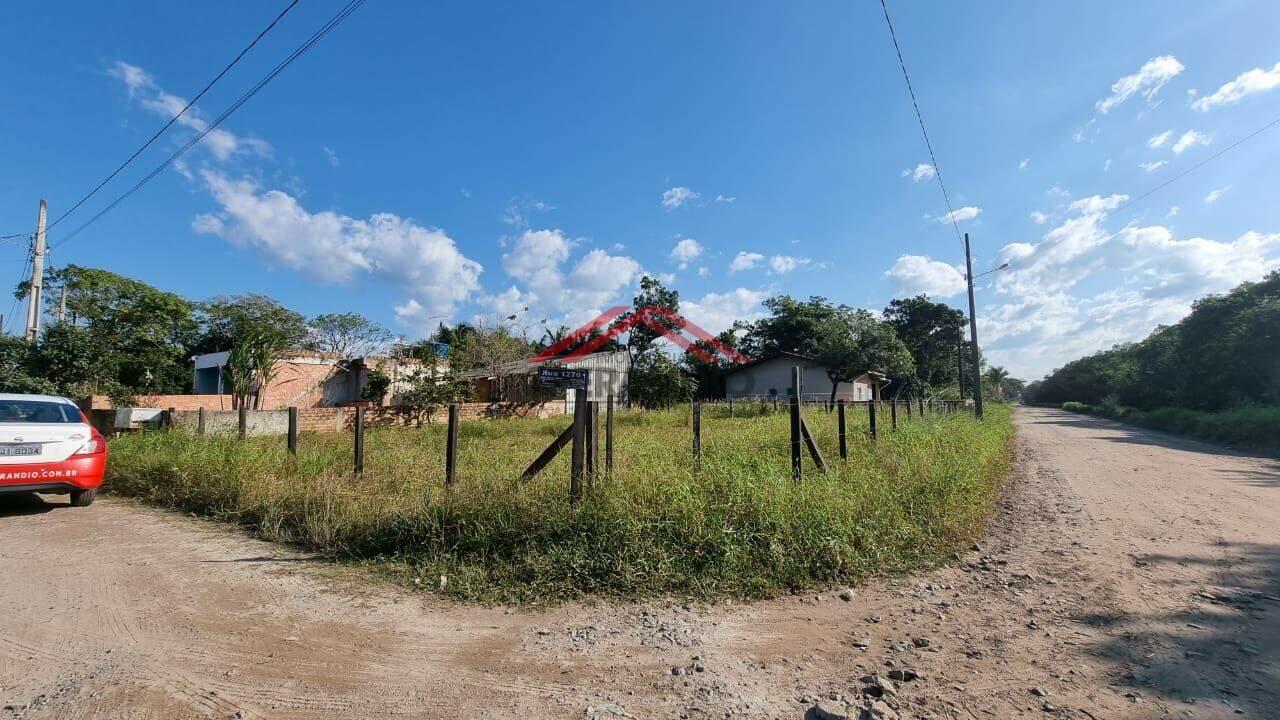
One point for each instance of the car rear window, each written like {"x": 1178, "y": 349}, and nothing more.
{"x": 37, "y": 411}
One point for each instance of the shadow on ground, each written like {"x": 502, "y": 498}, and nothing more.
{"x": 1223, "y": 645}
{"x": 26, "y": 504}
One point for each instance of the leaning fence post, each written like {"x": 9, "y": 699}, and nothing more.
{"x": 893, "y": 414}
{"x": 840, "y": 429}
{"x": 293, "y": 430}
{"x": 608, "y": 436}
{"x": 697, "y": 430}
{"x": 359, "y": 448}
{"x": 200, "y": 420}
{"x": 243, "y": 424}
{"x": 871, "y": 417}
{"x": 169, "y": 417}
{"x": 797, "y": 468}
{"x": 451, "y": 446}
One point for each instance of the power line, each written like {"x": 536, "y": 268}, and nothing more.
{"x": 937, "y": 172}
{"x": 174, "y": 119}
{"x": 26, "y": 267}
{"x": 315, "y": 38}
{"x": 1197, "y": 166}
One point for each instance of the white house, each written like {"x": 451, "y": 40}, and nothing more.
{"x": 771, "y": 376}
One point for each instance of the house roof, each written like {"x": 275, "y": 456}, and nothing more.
{"x": 767, "y": 358}
{"x": 810, "y": 362}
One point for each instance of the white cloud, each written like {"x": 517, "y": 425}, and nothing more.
{"x": 1023, "y": 163}
{"x": 1213, "y": 195}
{"x": 535, "y": 259}
{"x": 783, "y": 264}
{"x": 704, "y": 271}
{"x": 678, "y": 197}
{"x": 745, "y": 261}
{"x": 915, "y": 274}
{"x": 1047, "y": 308}
{"x": 143, "y": 89}
{"x": 716, "y": 312}
{"x": 922, "y": 172}
{"x": 686, "y": 251}
{"x": 726, "y": 199}
{"x": 1097, "y": 203}
{"x": 1157, "y": 141}
{"x": 1246, "y": 83}
{"x": 964, "y": 213}
{"x": 1147, "y": 81}
{"x": 1173, "y": 212}
{"x": 1190, "y": 139}
{"x": 1153, "y": 166}
{"x": 331, "y": 156}
{"x": 333, "y": 248}
{"x": 1038, "y": 217}
{"x": 1106, "y": 166}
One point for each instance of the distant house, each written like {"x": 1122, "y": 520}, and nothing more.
{"x": 770, "y": 376}
{"x": 517, "y": 381}
{"x": 307, "y": 379}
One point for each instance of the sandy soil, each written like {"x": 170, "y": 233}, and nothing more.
{"x": 1127, "y": 574}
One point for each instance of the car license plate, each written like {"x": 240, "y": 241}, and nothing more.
{"x": 19, "y": 450}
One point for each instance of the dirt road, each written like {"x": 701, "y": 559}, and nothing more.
{"x": 1127, "y": 574}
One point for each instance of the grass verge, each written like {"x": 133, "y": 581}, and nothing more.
{"x": 737, "y": 524}
{"x": 1255, "y": 427}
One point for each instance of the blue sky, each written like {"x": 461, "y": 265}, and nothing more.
{"x": 472, "y": 160}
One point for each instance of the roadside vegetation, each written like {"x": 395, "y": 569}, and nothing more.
{"x": 1257, "y": 427}
{"x": 1213, "y": 375}
{"x": 736, "y": 524}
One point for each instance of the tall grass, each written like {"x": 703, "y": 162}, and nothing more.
{"x": 734, "y": 524}
{"x": 1255, "y": 426}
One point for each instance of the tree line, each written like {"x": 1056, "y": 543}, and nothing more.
{"x": 1222, "y": 356}
{"x": 121, "y": 337}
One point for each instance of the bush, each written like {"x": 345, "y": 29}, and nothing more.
{"x": 1257, "y": 427}
{"x": 735, "y": 524}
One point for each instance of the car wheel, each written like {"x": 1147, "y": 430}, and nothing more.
{"x": 83, "y": 498}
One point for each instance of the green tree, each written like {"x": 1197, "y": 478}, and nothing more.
{"x": 852, "y": 342}
{"x": 656, "y": 381}
{"x": 17, "y": 368}
{"x": 140, "y": 334}
{"x": 347, "y": 335}
{"x": 653, "y": 294}
{"x": 934, "y": 335}
{"x": 225, "y": 320}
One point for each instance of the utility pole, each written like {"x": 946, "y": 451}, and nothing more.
{"x": 37, "y": 276}
{"x": 62, "y": 306}
{"x": 960, "y": 360}
{"x": 973, "y": 333}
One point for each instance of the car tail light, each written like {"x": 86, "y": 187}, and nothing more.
{"x": 95, "y": 446}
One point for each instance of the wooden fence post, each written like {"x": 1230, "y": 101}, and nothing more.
{"x": 921, "y": 407}
{"x": 169, "y": 417}
{"x": 593, "y": 440}
{"x": 893, "y": 414}
{"x": 243, "y": 423}
{"x": 451, "y": 446}
{"x": 797, "y": 468}
{"x": 608, "y": 436}
{"x": 840, "y": 430}
{"x": 359, "y": 448}
{"x": 697, "y": 430}
{"x": 579, "y": 452}
{"x": 293, "y": 430}
{"x": 775, "y": 402}
{"x": 200, "y": 420}
{"x": 871, "y": 417}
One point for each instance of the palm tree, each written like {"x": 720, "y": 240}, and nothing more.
{"x": 997, "y": 375}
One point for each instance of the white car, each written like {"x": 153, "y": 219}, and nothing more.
{"x": 48, "y": 446}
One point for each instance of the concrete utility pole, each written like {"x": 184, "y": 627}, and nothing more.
{"x": 62, "y": 305}
{"x": 37, "y": 276}
{"x": 973, "y": 333}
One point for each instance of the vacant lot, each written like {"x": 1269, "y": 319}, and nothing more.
{"x": 735, "y": 523}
